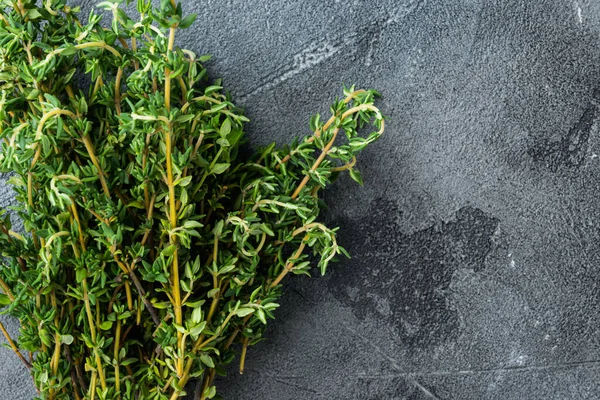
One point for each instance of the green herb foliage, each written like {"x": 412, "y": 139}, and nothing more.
{"x": 152, "y": 254}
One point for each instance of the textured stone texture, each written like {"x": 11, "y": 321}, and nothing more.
{"x": 475, "y": 239}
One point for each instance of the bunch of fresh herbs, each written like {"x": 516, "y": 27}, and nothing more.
{"x": 152, "y": 252}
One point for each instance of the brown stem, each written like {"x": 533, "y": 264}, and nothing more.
{"x": 128, "y": 294}
{"x": 73, "y": 380}
{"x": 183, "y": 88}
{"x": 150, "y": 208}
{"x": 198, "y": 390}
{"x": 109, "y": 309}
{"x": 290, "y": 264}
{"x": 57, "y": 344}
{"x": 144, "y": 162}
{"x": 316, "y": 163}
{"x": 126, "y": 333}
{"x": 14, "y": 346}
{"x": 88, "y": 309}
{"x": 136, "y": 63}
{"x": 147, "y": 303}
{"x": 97, "y": 85}
{"x": 118, "y": 90}
{"x": 77, "y": 371}
{"x": 116, "y": 356}
{"x": 231, "y": 338}
{"x": 138, "y": 286}
{"x": 90, "y": 149}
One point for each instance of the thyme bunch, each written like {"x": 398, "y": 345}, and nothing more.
{"x": 153, "y": 253}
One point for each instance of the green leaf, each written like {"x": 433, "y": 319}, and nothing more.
{"x": 185, "y": 118}
{"x": 187, "y": 21}
{"x": 235, "y": 136}
{"x": 218, "y": 107}
{"x": 183, "y": 181}
{"x": 128, "y": 361}
{"x": 179, "y": 328}
{"x": 69, "y": 51}
{"x": 315, "y": 121}
{"x": 105, "y": 5}
{"x": 219, "y": 168}
{"x": 33, "y": 14}
{"x": 261, "y": 316}
{"x": 106, "y": 325}
{"x": 88, "y": 340}
{"x": 207, "y": 360}
{"x": 45, "y": 337}
{"x": 184, "y": 286}
{"x": 197, "y": 330}
{"x": 218, "y": 229}
{"x": 124, "y": 315}
{"x": 213, "y": 88}
{"x": 80, "y": 274}
{"x": 344, "y": 252}
{"x": 44, "y": 377}
{"x": 226, "y": 269}
{"x": 191, "y": 224}
{"x": 4, "y": 300}
{"x": 242, "y": 312}
{"x": 255, "y": 293}
{"x": 223, "y": 142}
{"x": 195, "y": 304}
{"x": 354, "y": 174}
{"x": 161, "y": 305}
{"x": 267, "y": 230}
{"x": 66, "y": 339}
{"x": 169, "y": 250}
{"x": 33, "y": 94}
{"x": 210, "y": 392}
{"x": 197, "y": 315}
{"x": 225, "y": 128}
{"x": 188, "y": 271}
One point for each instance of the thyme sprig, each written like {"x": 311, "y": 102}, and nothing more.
{"x": 153, "y": 253}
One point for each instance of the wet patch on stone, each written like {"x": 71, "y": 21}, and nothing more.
{"x": 402, "y": 278}
{"x": 570, "y": 151}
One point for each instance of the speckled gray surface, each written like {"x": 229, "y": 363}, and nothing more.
{"x": 475, "y": 239}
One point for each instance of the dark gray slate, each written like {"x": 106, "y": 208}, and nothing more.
{"x": 475, "y": 240}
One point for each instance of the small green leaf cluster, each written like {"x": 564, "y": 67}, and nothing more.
{"x": 153, "y": 252}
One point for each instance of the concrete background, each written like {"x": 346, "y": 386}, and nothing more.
{"x": 475, "y": 239}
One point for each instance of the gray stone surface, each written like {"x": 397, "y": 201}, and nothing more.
{"x": 475, "y": 241}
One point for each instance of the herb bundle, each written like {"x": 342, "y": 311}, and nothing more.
{"x": 153, "y": 253}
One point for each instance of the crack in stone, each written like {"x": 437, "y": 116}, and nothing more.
{"x": 424, "y": 389}
{"x": 569, "y": 151}
{"x": 294, "y": 385}
{"x": 320, "y": 51}
{"x": 375, "y": 347}
{"x": 394, "y": 363}
{"x": 425, "y": 374}
{"x": 513, "y": 369}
